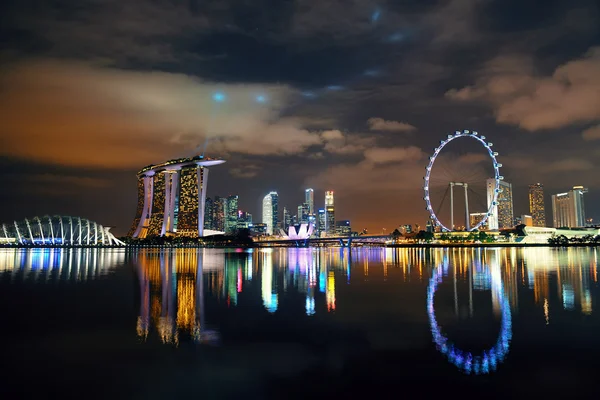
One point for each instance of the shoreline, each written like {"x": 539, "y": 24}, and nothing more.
{"x": 391, "y": 246}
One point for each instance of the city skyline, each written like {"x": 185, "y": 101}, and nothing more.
{"x": 350, "y": 98}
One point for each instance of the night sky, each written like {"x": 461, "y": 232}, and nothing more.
{"x": 350, "y": 96}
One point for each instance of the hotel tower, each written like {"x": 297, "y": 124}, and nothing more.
{"x": 171, "y": 198}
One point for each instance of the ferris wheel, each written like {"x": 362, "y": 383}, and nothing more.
{"x": 480, "y": 170}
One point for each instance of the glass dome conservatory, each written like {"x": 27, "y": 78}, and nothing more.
{"x": 57, "y": 231}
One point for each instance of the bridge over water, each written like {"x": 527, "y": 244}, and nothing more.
{"x": 342, "y": 241}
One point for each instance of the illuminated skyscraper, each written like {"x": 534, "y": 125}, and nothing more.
{"x": 208, "y": 213}
{"x": 231, "y": 214}
{"x": 303, "y": 213}
{"x": 287, "y": 219}
{"x": 321, "y": 221}
{"x": 502, "y": 212}
{"x": 219, "y": 214}
{"x": 536, "y": 204}
{"x": 171, "y": 198}
{"x": 270, "y": 209}
{"x": 329, "y": 214}
{"x": 309, "y": 198}
{"x": 568, "y": 209}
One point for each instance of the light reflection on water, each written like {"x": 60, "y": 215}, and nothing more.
{"x": 76, "y": 265}
{"x": 557, "y": 285}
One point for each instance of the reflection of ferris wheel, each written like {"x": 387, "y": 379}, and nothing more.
{"x": 492, "y": 196}
{"x": 487, "y": 361}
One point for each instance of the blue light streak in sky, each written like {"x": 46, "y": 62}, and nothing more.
{"x": 219, "y": 97}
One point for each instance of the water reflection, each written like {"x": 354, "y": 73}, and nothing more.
{"x": 491, "y": 276}
{"x": 74, "y": 265}
{"x": 172, "y": 295}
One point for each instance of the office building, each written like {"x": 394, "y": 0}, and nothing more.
{"x": 287, "y": 219}
{"x": 502, "y": 216}
{"x": 404, "y": 229}
{"x": 536, "y": 204}
{"x": 270, "y": 210}
{"x": 303, "y": 213}
{"x": 343, "y": 228}
{"x": 475, "y": 218}
{"x": 171, "y": 198}
{"x": 329, "y": 214}
{"x": 219, "y": 205}
{"x": 209, "y": 213}
{"x": 244, "y": 220}
{"x": 321, "y": 222}
{"x": 309, "y": 199}
{"x": 231, "y": 210}
{"x": 526, "y": 220}
{"x": 568, "y": 209}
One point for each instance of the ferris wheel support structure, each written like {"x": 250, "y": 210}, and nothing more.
{"x": 493, "y": 201}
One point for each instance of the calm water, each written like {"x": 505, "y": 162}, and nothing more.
{"x": 299, "y": 323}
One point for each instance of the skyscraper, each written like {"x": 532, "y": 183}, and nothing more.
{"x": 270, "y": 210}
{"x": 219, "y": 205}
{"x": 171, "y": 198}
{"x": 231, "y": 214}
{"x": 309, "y": 198}
{"x": 287, "y": 219}
{"x": 208, "y": 213}
{"x": 321, "y": 222}
{"x": 502, "y": 212}
{"x": 303, "y": 213}
{"x": 536, "y": 204}
{"x": 568, "y": 209}
{"x": 329, "y": 214}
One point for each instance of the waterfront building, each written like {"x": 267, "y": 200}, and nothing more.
{"x": 244, "y": 220}
{"x": 329, "y": 213}
{"x": 475, "y": 218}
{"x": 343, "y": 228}
{"x": 502, "y": 216}
{"x": 568, "y": 208}
{"x": 536, "y": 204}
{"x": 404, "y": 229}
{"x": 321, "y": 222}
{"x": 526, "y": 220}
{"x": 259, "y": 229}
{"x": 270, "y": 210}
{"x": 231, "y": 214}
{"x": 171, "y": 198}
{"x": 57, "y": 231}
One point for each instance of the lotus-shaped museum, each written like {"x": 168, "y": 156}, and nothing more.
{"x": 301, "y": 232}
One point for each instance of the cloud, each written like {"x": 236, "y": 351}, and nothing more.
{"x": 55, "y": 184}
{"x": 381, "y": 169}
{"x": 570, "y": 164}
{"x": 72, "y": 113}
{"x": 384, "y": 155}
{"x": 379, "y": 124}
{"x": 336, "y": 142}
{"x": 571, "y": 95}
{"x": 246, "y": 171}
{"x": 591, "y": 133}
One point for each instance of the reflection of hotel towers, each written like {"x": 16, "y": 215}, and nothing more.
{"x": 172, "y": 295}
{"x": 64, "y": 264}
{"x": 171, "y": 198}
{"x": 576, "y": 269}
